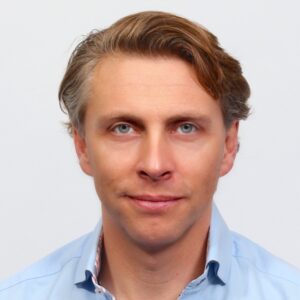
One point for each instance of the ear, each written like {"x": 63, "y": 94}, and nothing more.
{"x": 82, "y": 154}
{"x": 231, "y": 147}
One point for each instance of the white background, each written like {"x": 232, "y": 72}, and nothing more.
{"x": 45, "y": 200}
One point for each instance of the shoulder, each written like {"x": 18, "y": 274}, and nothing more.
{"x": 254, "y": 259}
{"x": 46, "y": 269}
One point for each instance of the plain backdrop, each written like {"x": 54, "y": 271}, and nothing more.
{"x": 46, "y": 201}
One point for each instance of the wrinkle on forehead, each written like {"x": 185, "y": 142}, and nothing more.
{"x": 149, "y": 87}
{"x": 154, "y": 71}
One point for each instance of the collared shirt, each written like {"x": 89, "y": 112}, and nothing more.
{"x": 236, "y": 269}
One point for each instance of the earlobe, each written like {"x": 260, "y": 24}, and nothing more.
{"x": 231, "y": 147}
{"x": 82, "y": 154}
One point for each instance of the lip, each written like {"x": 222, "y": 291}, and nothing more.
{"x": 155, "y": 198}
{"x": 155, "y": 203}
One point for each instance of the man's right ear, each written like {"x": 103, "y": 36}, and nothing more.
{"x": 82, "y": 153}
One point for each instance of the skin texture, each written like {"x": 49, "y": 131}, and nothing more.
{"x": 151, "y": 129}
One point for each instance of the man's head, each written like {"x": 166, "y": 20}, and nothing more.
{"x": 156, "y": 34}
{"x": 154, "y": 105}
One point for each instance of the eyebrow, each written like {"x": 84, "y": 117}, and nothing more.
{"x": 205, "y": 120}
{"x": 135, "y": 120}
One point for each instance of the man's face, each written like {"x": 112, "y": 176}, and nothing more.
{"x": 155, "y": 144}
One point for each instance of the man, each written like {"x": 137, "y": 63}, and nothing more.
{"x": 154, "y": 105}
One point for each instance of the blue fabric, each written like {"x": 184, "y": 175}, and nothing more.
{"x": 236, "y": 268}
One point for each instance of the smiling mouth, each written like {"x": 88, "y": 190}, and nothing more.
{"x": 154, "y": 203}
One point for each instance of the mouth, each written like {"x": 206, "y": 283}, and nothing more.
{"x": 154, "y": 203}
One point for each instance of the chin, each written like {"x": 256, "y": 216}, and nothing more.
{"x": 151, "y": 240}
{"x": 153, "y": 246}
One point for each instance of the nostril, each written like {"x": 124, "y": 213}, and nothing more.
{"x": 166, "y": 175}
{"x": 143, "y": 174}
{"x": 155, "y": 177}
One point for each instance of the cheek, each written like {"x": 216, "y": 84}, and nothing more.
{"x": 200, "y": 167}
{"x": 204, "y": 154}
{"x": 110, "y": 167}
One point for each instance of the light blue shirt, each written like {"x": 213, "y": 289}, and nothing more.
{"x": 236, "y": 268}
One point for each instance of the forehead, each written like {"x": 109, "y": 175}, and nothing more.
{"x": 136, "y": 84}
{"x": 128, "y": 70}
{"x": 152, "y": 68}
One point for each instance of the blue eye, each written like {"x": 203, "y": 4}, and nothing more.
{"x": 187, "y": 128}
{"x": 122, "y": 128}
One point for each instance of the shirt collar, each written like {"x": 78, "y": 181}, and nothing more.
{"x": 218, "y": 261}
{"x": 86, "y": 265}
{"x": 219, "y": 249}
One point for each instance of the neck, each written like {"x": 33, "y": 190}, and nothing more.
{"x": 130, "y": 272}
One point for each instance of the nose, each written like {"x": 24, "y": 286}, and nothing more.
{"x": 155, "y": 159}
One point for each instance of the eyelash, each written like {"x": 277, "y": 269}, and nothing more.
{"x": 195, "y": 128}
{"x": 190, "y": 124}
{"x": 118, "y": 125}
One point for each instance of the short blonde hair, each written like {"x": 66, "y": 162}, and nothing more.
{"x": 156, "y": 34}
